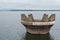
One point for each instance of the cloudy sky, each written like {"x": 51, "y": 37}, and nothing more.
{"x": 30, "y": 4}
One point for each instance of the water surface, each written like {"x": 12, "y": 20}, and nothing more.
{"x": 12, "y": 29}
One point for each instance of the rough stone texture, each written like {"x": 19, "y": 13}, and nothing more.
{"x": 30, "y": 18}
{"x": 52, "y": 17}
{"x": 45, "y": 18}
{"x": 23, "y": 17}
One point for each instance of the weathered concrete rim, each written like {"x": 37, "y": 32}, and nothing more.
{"x": 37, "y": 23}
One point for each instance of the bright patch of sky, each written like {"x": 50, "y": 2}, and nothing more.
{"x": 30, "y": 4}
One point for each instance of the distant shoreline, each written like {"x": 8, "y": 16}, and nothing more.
{"x": 29, "y": 10}
{"x": 34, "y": 10}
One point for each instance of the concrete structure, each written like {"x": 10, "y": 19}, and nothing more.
{"x": 45, "y": 18}
{"x": 52, "y": 17}
{"x": 30, "y": 18}
{"x": 40, "y": 26}
{"x": 23, "y": 17}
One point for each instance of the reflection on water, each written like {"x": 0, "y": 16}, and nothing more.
{"x": 29, "y": 36}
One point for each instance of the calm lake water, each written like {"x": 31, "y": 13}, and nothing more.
{"x": 12, "y": 29}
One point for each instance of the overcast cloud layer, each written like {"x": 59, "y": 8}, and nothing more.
{"x": 30, "y": 4}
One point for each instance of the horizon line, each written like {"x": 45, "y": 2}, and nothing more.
{"x": 26, "y": 10}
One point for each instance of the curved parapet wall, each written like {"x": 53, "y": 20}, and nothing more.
{"x": 37, "y": 23}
